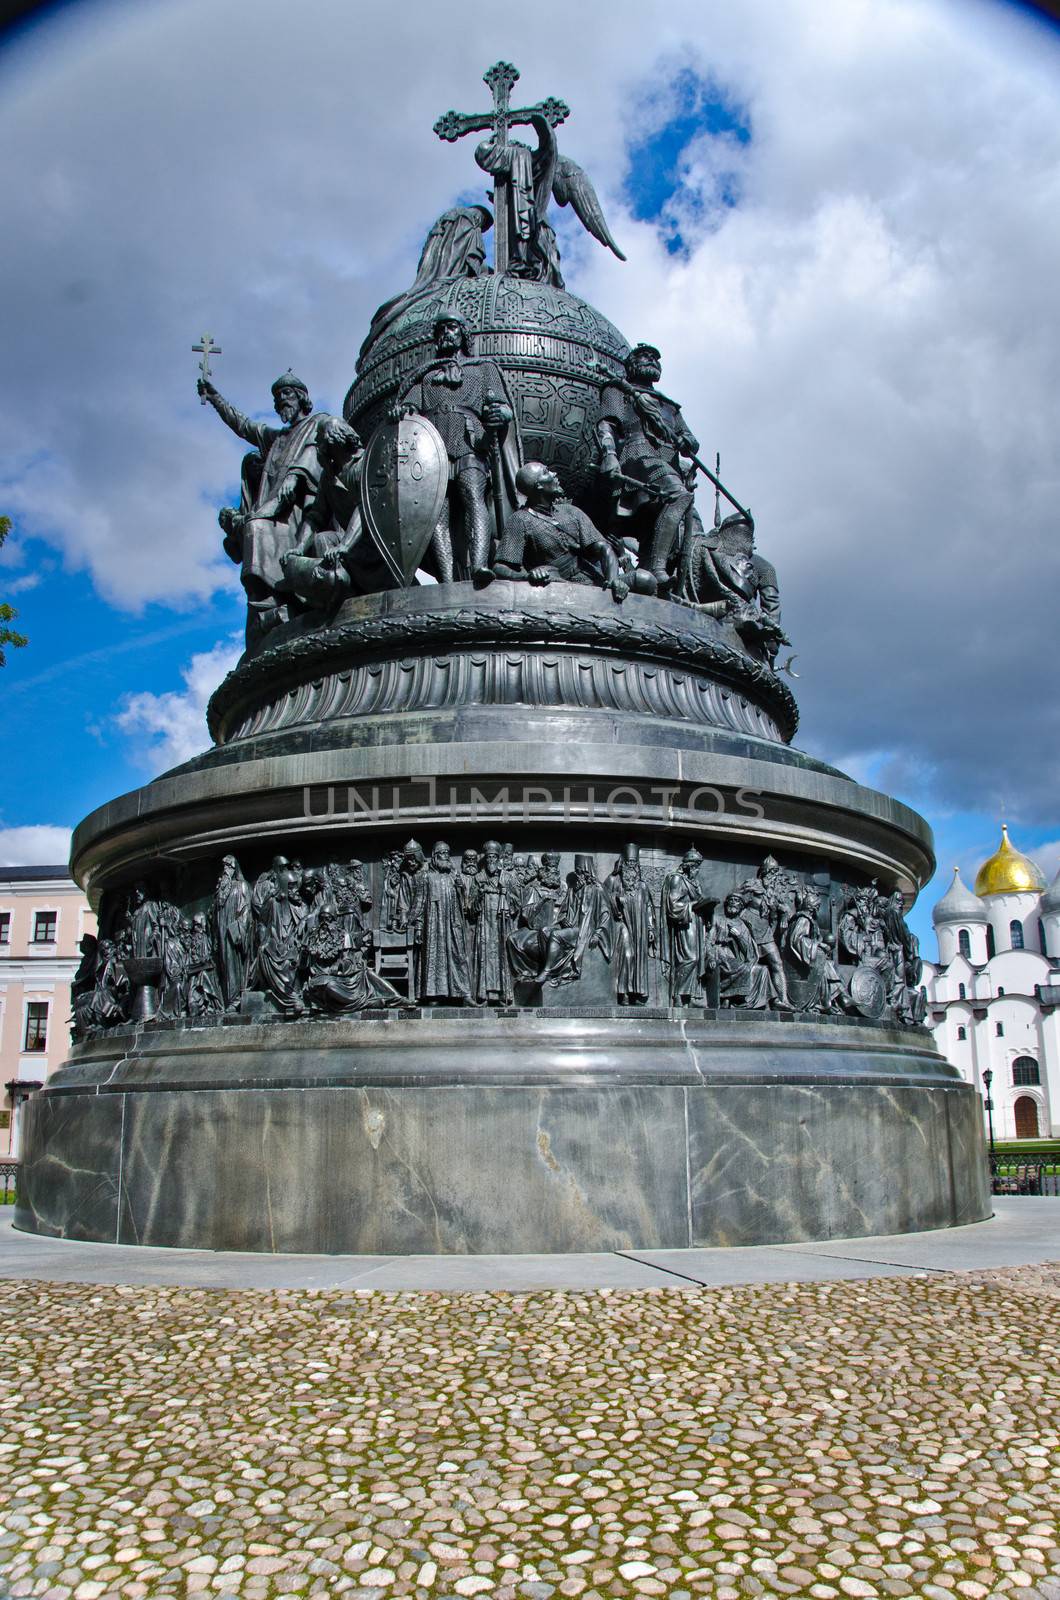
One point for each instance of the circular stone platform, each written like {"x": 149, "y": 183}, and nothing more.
{"x": 557, "y": 720}
{"x": 525, "y": 1131}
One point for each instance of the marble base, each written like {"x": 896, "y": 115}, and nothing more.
{"x": 502, "y": 1133}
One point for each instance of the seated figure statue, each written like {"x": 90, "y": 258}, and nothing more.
{"x": 730, "y": 952}
{"x": 550, "y": 538}
{"x": 821, "y": 989}
{"x": 278, "y": 478}
{"x": 335, "y": 556}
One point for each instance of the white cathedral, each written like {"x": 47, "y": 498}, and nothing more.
{"x": 994, "y": 993}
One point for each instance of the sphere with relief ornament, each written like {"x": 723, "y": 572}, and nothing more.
{"x": 556, "y": 352}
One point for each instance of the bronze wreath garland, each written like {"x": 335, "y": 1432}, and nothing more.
{"x": 277, "y": 669}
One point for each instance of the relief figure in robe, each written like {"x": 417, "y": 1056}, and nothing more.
{"x": 490, "y": 973}
{"x": 443, "y": 971}
{"x": 233, "y": 931}
{"x": 811, "y": 950}
{"x": 278, "y": 914}
{"x": 635, "y": 932}
{"x": 730, "y": 951}
{"x": 683, "y": 908}
{"x": 585, "y": 922}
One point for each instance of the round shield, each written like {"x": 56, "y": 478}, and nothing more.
{"x": 867, "y": 991}
{"x": 403, "y": 487}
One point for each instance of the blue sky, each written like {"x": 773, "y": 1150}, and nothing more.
{"x": 696, "y": 109}
{"x": 60, "y": 694}
{"x": 820, "y": 241}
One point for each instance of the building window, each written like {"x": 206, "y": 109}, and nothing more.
{"x": 1000, "y": 989}
{"x": 36, "y": 1026}
{"x": 991, "y": 943}
{"x": 1015, "y": 930}
{"x": 964, "y": 944}
{"x": 5, "y": 927}
{"x": 1000, "y": 1030}
{"x": 1041, "y": 938}
{"x": 962, "y": 992}
{"x": 45, "y": 926}
{"x": 1025, "y": 1073}
{"x": 962, "y": 1033}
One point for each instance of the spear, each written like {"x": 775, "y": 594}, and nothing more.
{"x": 496, "y": 471}
{"x": 720, "y": 487}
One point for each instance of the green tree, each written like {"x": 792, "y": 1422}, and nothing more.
{"x": 8, "y": 613}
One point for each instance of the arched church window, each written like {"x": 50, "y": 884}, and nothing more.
{"x": 1001, "y": 988}
{"x": 962, "y": 1033}
{"x": 1041, "y": 938}
{"x": 1015, "y": 929}
{"x": 1001, "y": 1030}
{"x": 991, "y": 943}
{"x": 1026, "y": 1118}
{"x": 1025, "y": 1073}
{"x": 964, "y": 944}
{"x": 962, "y": 992}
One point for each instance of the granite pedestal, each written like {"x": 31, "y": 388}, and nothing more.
{"x": 525, "y": 1132}
{"x": 558, "y": 720}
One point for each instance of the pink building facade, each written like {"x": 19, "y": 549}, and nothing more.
{"x": 43, "y": 916}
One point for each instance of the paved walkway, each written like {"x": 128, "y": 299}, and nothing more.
{"x": 1024, "y": 1231}
{"x": 863, "y": 1440}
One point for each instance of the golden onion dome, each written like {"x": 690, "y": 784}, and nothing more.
{"x": 1008, "y": 871}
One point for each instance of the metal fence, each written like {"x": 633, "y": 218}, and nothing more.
{"x": 8, "y": 1181}
{"x": 1030, "y": 1175}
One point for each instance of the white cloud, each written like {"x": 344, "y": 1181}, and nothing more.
{"x": 29, "y": 580}
{"x": 174, "y": 723}
{"x": 38, "y": 845}
{"x": 1047, "y": 856}
{"x": 869, "y": 338}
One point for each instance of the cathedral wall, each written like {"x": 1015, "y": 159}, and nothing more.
{"x": 949, "y": 942}
{"x": 1003, "y": 909}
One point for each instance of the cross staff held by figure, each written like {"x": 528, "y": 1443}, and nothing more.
{"x": 501, "y": 79}
{"x": 206, "y": 348}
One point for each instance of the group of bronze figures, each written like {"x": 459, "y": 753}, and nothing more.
{"x": 443, "y": 485}
{"x": 496, "y": 928}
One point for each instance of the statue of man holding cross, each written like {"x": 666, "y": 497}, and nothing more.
{"x": 278, "y": 479}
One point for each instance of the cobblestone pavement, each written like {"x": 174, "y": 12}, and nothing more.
{"x": 890, "y": 1437}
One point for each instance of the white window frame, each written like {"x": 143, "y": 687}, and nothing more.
{"x": 36, "y": 1000}
{"x": 44, "y": 944}
{"x": 8, "y": 911}
{"x": 1024, "y": 1055}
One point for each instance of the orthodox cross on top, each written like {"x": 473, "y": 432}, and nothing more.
{"x": 501, "y": 79}
{"x": 206, "y": 348}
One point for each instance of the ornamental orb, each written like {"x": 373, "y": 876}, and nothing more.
{"x": 555, "y": 350}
